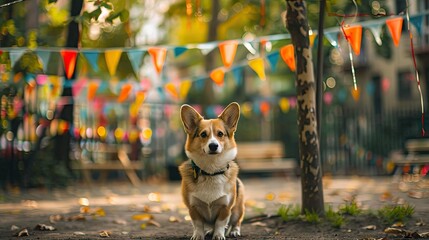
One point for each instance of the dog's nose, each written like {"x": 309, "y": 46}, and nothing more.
{"x": 213, "y": 147}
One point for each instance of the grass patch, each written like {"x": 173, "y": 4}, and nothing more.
{"x": 289, "y": 212}
{"x": 395, "y": 213}
{"x": 311, "y": 217}
{"x": 350, "y": 208}
{"x": 335, "y": 218}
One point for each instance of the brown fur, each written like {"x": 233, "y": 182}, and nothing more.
{"x": 215, "y": 198}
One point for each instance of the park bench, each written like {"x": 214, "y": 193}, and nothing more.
{"x": 264, "y": 157}
{"x": 416, "y": 153}
{"x": 108, "y": 158}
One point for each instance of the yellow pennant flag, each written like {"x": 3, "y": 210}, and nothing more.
{"x": 185, "y": 86}
{"x": 257, "y": 65}
{"x": 284, "y": 104}
{"x": 112, "y": 59}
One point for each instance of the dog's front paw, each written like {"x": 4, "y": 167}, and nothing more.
{"x": 219, "y": 236}
{"x": 235, "y": 232}
{"x": 198, "y": 235}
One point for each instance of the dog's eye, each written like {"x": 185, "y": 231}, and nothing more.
{"x": 220, "y": 134}
{"x": 203, "y": 135}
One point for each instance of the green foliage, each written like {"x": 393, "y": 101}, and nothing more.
{"x": 395, "y": 213}
{"x": 335, "y": 218}
{"x": 311, "y": 216}
{"x": 350, "y": 208}
{"x": 289, "y": 212}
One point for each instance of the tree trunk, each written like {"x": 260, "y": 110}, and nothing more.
{"x": 63, "y": 141}
{"x": 311, "y": 172}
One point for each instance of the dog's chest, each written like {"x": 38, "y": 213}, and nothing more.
{"x": 212, "y": 188}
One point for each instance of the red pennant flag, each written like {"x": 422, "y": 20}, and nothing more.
{"x": 158, "y": 56}
{"x": 395, "y": 28}
{"x": 288, "y": 56}
{"x": 353, "y": 35}
{"x": 228, "y": 50}
{"x": 69, "y": 61}
{"x": 217, "y": 76}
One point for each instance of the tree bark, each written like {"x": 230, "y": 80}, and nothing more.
{"x": 311, "y": 172}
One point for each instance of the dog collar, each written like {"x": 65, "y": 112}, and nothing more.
{"x": 198, "y": 171}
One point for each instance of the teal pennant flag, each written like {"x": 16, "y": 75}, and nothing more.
{"x": 15, "y": 55}
{"x": 44, "y": 56}
{"x": 417, "y": 21}
{"x": 179, "y": 51}
{"x": 136, "y": 59}
{"x": 273, "y": 59}
{"x": 237, "y": 72}
{"x": 92, "y": 58}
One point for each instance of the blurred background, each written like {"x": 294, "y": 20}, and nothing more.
{"x": 91, "y": 90}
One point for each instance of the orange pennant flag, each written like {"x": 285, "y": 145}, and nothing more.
{"x": 92, "y": 89}
{"x": 353, "y": 35}
{"x": 69, "y": 61}
{"x": 288, "y": 56}
{"x": 158, "y": 56}
{"x": 228, "y": 50}
{"x": 217, "y": 76}
{"x": 112, "y": 59}
{"x": 395, "y": 28}
{"x": 257, "y": 65}
{"x": 125, "y": 92}
{"x": 171, "y": 88}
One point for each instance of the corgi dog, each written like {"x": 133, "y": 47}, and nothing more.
{"x": 211, "y": 189}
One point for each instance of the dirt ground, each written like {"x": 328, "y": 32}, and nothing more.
{"x": 119, "y": 211}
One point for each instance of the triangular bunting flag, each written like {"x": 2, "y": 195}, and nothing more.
{"x": 417, "y": 21}
{"x": 92, "y": 58}
{"x": 69, "y": 61}
{"x": 92, "y": 90}
{"x": 288, "y": 55}
{"x": 353, "y": 35}
{"x": 171, "y": 89}
{"x": 185, "y": 86}
{"x": 206, "y": 48}
{"x": 217, "y": 76}
{"x": 228, "y": 50}
{"x": 376, "y": 31}
{"x": 136, "y": 58}
{"x": 237, "y": 72}
{"x": 284, "y": 104}
{"x": 257, "y": 65}
{"x": 332, "y": 38}
{"x": 44, "y": 57}
{"x": 312, "y": 38}
{"x": 273, "y": 58}
{"x": 15, "y": 55}
{"x": 112, "y": 57}
{"x": 125, "y": 92}
{"x": 158, "y": 57}
{"x": 179, "y": 51}
{"x": 395, "y": 28}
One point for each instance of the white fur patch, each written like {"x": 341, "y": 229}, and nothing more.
{"x": 212, "y": 188}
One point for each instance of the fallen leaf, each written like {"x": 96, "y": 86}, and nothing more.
{"x": 14, "y": 228}
{"x": 395, "y": 231}
{"x": 23, "y": 233}
{"x": 424, "y": 235}
{"x": 154, "y": 223}
{"x": 370, "y": 227}
{"x": 124, "y": 233}
{"x": 270, "y": 196}
{"x": 415, "y": 194}
{"x": 120, "y": 221}
{"x": 79, "y": 233}
{"x": 398, "y": 224}
{"x": 85, "y": 209}
{"x": 78, "y": 217}
{"x": 142, "y": 217}
{"x": 173, "y": 219}
{"x": 99, "y": 212}
{"x": 83, "y": 201}
{"x": 104, "y": 234}
{"x": 143, "y": 226}
{"x": 259, "y": 224}
{"x": 30, "y": 203}
{"x": 154, "y": 197}
{"x": 420, "y": 223}
{"x": 385, "y": 196}
{"x": 43, "y": 227}
{"x": 55, "y": 218}
{"x": 188, "y": 218}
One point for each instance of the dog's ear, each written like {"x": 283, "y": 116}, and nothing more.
{"x": 230, "y": 116}
{"x": 190, "y": 118}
